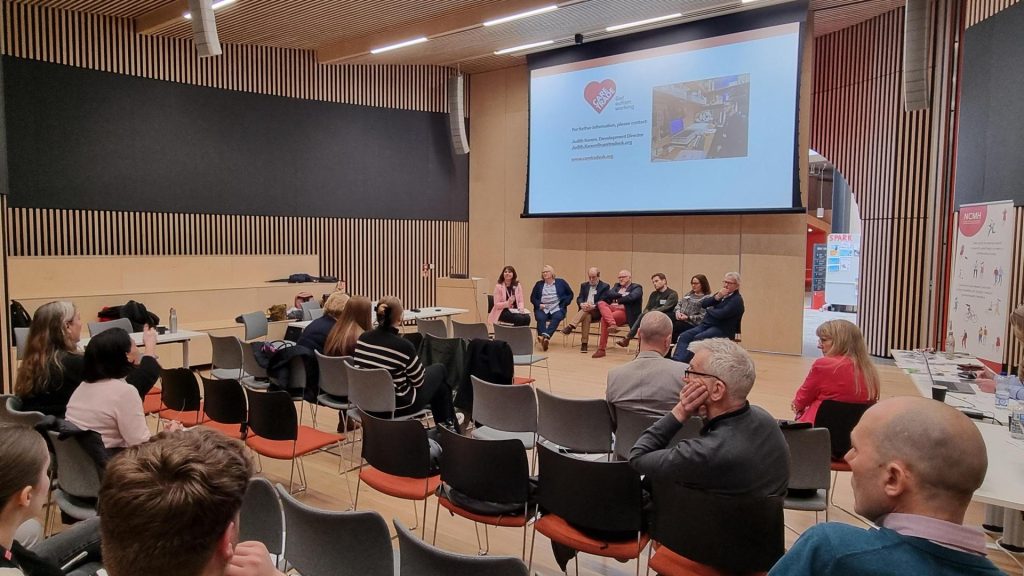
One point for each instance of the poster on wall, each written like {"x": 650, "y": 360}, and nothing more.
{"x": 980, "y": 289}
{"x": 842, "y": 268}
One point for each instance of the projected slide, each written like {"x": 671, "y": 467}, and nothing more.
{"x": 707, "y": 125}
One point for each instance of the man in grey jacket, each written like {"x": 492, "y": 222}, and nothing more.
{"x": 650, "y": 384}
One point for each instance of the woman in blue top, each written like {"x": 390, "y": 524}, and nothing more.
{"x": 551, "y": 297}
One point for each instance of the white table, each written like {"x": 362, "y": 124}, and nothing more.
{"x": 181, "y": 336}
{"x": 912, "y": 362}
{"x": 408, "y": 315}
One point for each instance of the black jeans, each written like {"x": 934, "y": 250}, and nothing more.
{"x": 436, "y": 395}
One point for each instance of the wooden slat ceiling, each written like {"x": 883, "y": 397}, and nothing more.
{"x": 348, "y": 27}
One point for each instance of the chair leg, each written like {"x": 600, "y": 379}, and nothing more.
{"x": 437, "y": 516}
{"x": 476, "y": 532}
{"x": 355, "y": 503}
{"x": 313, "y": 412}
{"x": 425, "y": 519}
{"x": 533, "y": 542}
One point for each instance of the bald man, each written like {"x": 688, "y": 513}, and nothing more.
{"x": 916, "y": 464}
{"x": 591, "y": 292}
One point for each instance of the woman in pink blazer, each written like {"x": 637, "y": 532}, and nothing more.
{"x": 508, "y": 300}
{"x": 845, "y": 373}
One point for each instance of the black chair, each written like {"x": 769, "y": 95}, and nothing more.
{"x": 691, "y": 526}
{"x": 224, "y": 406}
{"x": 326, "y": 543}
{"x": 397, "y": 455}
{"x": 578, "y": 495}
{"x": 417, "y": 558}
{"x": 840, "y": 419}
{"x": 179, "y": 392}
{"x": 489, "y": 471}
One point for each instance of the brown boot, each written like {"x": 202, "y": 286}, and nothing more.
{"x": 623, "y": 342}
{"x": 583, "y": 347}
{"x": 568, "y": 328}
{"x": 544, "y": 341}
{"x": 599, "y": 354}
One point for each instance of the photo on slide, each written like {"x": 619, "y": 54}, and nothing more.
{"x": 700, "y": 119}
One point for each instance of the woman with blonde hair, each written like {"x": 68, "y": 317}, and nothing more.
{"x": 845, "y": 373}
{"x": 354, "y": 320}
{"x": 315, "y": 334}
{"x": 52, "y": 367}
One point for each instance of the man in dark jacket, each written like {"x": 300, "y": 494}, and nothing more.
{"x": 592, "y": 292}
{"x": 620, "y": 307}
{"x": 722, "y": 320}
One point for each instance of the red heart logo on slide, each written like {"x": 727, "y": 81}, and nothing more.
{"x": 599, "y": 94}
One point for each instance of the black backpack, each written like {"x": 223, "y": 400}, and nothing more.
{"x": 20, "y": 318}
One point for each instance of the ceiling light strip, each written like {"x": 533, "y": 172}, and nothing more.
{"x": 524, "y": 47}
{"x": 214, "y": 6}
{"x": 412, "y": 42}
{"x": 642, "y": 22}
{"x": 526, "y": 14}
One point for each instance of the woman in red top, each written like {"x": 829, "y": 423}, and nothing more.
{"x": 845, "y": 373}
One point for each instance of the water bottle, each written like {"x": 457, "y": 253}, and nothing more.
{"x": 1017, "y": 421}
{"x": 1002, "y": 391}
{"x": 173, "y": 321}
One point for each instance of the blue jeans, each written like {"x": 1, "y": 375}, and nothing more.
{"x": 547, "y": 324}
{"x": 701, "y": 332}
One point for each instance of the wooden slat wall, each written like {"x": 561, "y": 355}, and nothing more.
{"x": 377, "y": 257}
{"x": 859, "y": 124}
{"x": 978, "y": 10}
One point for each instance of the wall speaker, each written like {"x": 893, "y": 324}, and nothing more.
{"x": 916, "y": 76}
{"x": 204, "y": 28}
{"x": 457, "y": 114}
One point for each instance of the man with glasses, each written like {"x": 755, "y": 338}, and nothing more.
{"x": 621, "y": 306}
{"x": 739, "y": 451}
{"x": 591, "y": 292}
{"x": 663, "y": 299}
{"x": 723, "y": 312}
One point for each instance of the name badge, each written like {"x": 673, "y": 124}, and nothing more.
{"x": 662, "y": 301}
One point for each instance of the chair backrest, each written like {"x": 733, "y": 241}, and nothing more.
{"x": 694, "y": 524}
{"x": 76, "y": 470}
{"x": 630, "y": 425}
{"x": 256, "y": 325}
{"x": 313, "y": 314}
{"x": 122, "y": 323}
{"x": 579, "y": 425}
{"x": 504, "y": 407}
{"x": 417, "y": 558}
{"x": 519, "y": 338}
{"x": 11, "y": 412}
{"x": 470, "y": 331}
{"x": 489, "y": 470}
{"x": 308, "y": 307}
{"x": 333, "y": 376}
{"x": 249, "y": 364}
{"x": 609, "y": 499}
{"x": 397, "y": 447}
{"x": 326, "y": 543}
{"x": 839, "y": 418}
{"x": 261, "y": 518}
{"x": 272, "y": 415}
{"x": 809, "y": 458}
{"x": 227, "y": 353}
{"x": 490, "y": 303}
{"x": 21, "y": 339}
{"x": 435, "y": 327}
{"x": 371, "y": 389}
{"x": 179, "y": 389}
{"x": 224, "y": 401}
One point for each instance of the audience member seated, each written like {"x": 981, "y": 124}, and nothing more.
{"x": 315, "y": 334}
{"x": 170, "y": 508}
{"x": 651, "y": 383}
{"x": 416, "y": 388}
{"x": 508, "y": 300}
{"x": 689, "y": 313}
{"x": 845, "y": 373}
{"x": 663, "y": 299}
{"x": 591, "y": 292}
{"x": 105, "y": 403}
{"x": 916, "y": 464}
{"x": 52, "y": 367}
{"x": 723, "y": 312}
{"x": 621, "y": 306}
{"x": 551, "y": 297}
{"x": 739, "y": 451}
{"x": 353, "y": 321}
{"x": 24, "y": 489}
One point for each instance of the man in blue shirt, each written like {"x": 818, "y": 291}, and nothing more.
{"x": 916, "y": 464}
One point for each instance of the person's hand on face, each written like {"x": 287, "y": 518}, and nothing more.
{"x": 692, "y": 398}
{"x": 250, "y": 559}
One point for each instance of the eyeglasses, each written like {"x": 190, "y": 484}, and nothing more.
{"x": 623, "y": 277}
{"x": 729, "y": 282}
{"x": 688, "y": 372}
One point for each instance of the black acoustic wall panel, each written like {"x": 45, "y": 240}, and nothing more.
{"x": 990, "y": 151}
{"x": 84, "y": 139}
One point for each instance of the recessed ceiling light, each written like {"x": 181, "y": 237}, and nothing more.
{"x": 524, "y": 47}
{"x": 641, "y": 22}
{"x": 419, "y": 40}
{"x": 526, "y": 14}
{"x": 215, "y": 5}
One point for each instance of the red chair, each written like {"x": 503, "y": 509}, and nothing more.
{"x": 579, "y": 495}
{"x": 276, "y": 432}
{"x": 397, "y": 461}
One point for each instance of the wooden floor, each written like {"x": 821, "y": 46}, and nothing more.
{"x": 579, "y": 375}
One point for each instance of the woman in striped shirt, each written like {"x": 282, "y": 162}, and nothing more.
{"x": 416, "y": 387}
